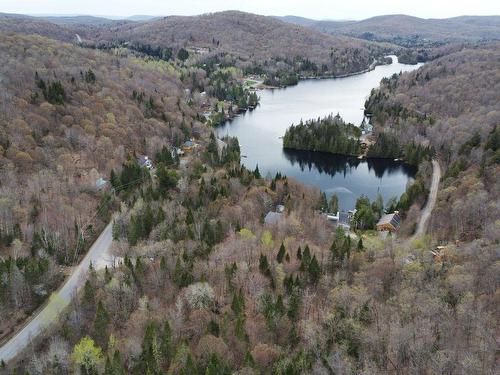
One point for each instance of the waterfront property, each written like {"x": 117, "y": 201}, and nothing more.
{"x": 389, "y": 222}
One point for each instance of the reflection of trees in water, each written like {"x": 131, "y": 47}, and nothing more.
{"x": 322, "y": 161}
{"x": 382, "y": 166}
{"x": 334, "y": 164}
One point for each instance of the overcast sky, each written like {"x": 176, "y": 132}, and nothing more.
{"x": 333, "y": 9}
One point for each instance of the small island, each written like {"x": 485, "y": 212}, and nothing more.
{"x": 328, "y": 134}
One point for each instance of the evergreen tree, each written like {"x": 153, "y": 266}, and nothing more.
{"x": 166, "y": 346}
{"x": 280, "y": 306}
{"x": 101, "y": 322}
{"x": 249, "y": 360}
{"x": 189, "y": 217}
{"x": 335, "y": 255}
{"x": 256, "y": 172}
{"x": 263, "y": 264}
{"x": 306, "y": 258}
{"x": 273, "y": 185}
{"x": 183, "y": 54}
{"x": 90, "y": 76}
{"x": 314, "y": 271}
{"x": 293, "y": 312}
{"x": 238, "y": 302}
{"x": 334, "y": 204}
{"x": 281, "y": 253}
{"x": 360, "y": 244}
{"x": 212, "y": 150}
{"x": 88, "y": 301}
{"x": 114, "y": 180}
{"x": 322, "y": 203}
{"x": 107, "y": 275}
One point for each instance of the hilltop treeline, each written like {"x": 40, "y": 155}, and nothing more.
{"x": 329, "y": 134}
{"x": 451, "y": 106}
{"x": 258, "y": 44}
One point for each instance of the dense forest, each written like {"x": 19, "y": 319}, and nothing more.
{"x": 414, "y": 39}
{"x": 329, "y": 134}
{"x": 205, "y": 288}
{"x": 202, "y": 284}
{"x": 258, "y": 44}
{"x": 68, "y": 117}
{"x": 451, "y": 106}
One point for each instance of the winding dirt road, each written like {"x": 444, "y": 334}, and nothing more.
{"x": 99, "y": 255}
{"x": 431, "y": 200}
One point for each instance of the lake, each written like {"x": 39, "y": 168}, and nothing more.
{"x": 259, "y": 133}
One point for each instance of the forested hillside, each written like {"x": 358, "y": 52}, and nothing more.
{"x": 451, "y": 104}
{"x": 256, "y": 43}
{"x": 419, "y": 39}
{"x": 408, "y": 31}
{"x": 68, "y": 116}
{"x": 206, "y": 288}
{"x": 203, "y": 284}
{"x": 15, "y": 23}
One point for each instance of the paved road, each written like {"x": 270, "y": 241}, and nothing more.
{"x": 431, "y": 201}
{"x": 99, "y": 255}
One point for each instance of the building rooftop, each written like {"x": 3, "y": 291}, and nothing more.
{"x": 394, "y": 219}
{"x": 272, "y": 217}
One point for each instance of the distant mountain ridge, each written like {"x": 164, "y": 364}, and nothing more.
{"x": 21, "y": 24}
{"x": 407, "y": 30}
{"x": 82, "y": 20}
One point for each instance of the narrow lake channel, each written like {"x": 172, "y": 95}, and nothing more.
{"x": 259, "y": 133}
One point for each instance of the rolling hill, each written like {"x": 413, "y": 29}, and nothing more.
{"x": 82, "y": 20}
{"x": 452, "y": 105}
{"x": 250, "y": 38}
{"x": 20, "y": 24}
{"x": 411, "y": 31}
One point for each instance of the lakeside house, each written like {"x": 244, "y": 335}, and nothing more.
{"x": 189, "y": 146}
{"x": 389, "y": 222}
{"x": 273, "y": 217}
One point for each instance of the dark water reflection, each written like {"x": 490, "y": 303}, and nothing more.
{"x": 331, "y": 165}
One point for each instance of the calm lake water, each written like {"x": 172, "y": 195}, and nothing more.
{"x": 259, "y": 133}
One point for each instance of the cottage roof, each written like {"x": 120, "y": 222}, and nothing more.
{"x": 272, "y": 217}
{"x": 394, "y": 219}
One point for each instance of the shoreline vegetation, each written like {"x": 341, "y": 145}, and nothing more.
{"x": 265, "y": 84}
{"x": 331, "y": 134}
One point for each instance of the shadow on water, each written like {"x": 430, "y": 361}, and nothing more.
{"x": 332, "y": 165}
